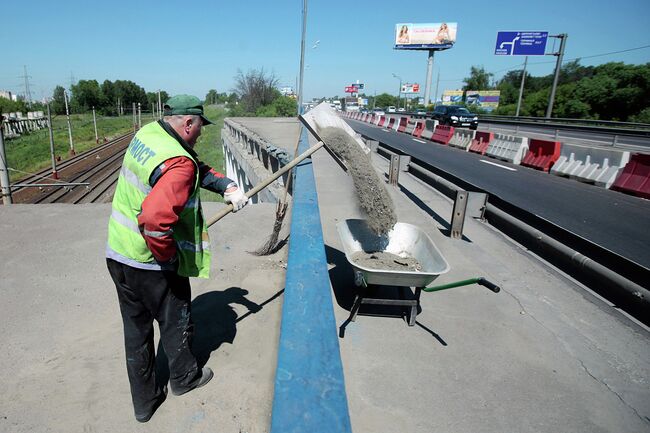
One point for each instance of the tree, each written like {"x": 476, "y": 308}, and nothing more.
{"x": 255, "y": 88}
{"x": 9, "y": 106}
{"x": 211, "y": 98}
{"x": 286, "y": 106}
{"x": 478, "y": 79}
{"x": 86, "y": 94}
{"x": 58, "y": 102}
{"x": 385, "y": 100}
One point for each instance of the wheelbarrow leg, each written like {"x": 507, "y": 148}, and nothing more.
{"x": 414, "y": 308}
{"x": 355, "y": 308}
{"x": 358, "y": 300}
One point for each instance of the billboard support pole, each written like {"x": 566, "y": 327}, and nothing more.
{"x": 427, "y": 87}
{"x": 563, "y": 37}
{"x": 521, "y": 87}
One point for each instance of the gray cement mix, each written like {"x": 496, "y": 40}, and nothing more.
{"x": 383, "y": 260}
{"x": 371, "y": 192}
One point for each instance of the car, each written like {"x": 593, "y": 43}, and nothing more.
{"x": 456, "y": 116}
{"x": 379, "y": 112}
{"x": 401, "y": 109}
{"x": 420, "y": 113}
{"x": 391, "y": 109}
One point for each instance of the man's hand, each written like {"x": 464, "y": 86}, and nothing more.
{"x": 236, "y": 196}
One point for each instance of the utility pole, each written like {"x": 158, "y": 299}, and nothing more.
{"x": 28, "y": 94}
{"x": 563, "y": 37}
{"x": 67, "y": 115}
{"x": 55, "y": 175}
{"x": 302, "y": 55}
{"x": 399, "y": 92}
{"x": 521, "y": 87}
{"x": 135, "y": 120}
{"x": 95, "y": 123}
{"x": 153, "y": 111}
{"x": 139, "y": 116}
{"x": 160, "y": 111}
{"x": 4, "y": 174}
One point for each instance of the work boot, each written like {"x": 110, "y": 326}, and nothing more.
{"x": 206, "y": 375}
{"x": 146, "y": 417}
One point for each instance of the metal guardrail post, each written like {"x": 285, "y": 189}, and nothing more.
{"x": 458, "y": 214}
{"x": 393, "y": 172}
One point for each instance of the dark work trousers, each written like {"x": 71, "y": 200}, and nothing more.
{"x": 146, "y": 295}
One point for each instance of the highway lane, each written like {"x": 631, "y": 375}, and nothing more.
{"x": 615, "y": 221}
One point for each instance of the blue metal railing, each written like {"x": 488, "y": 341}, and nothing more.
{"x": 309, "y": 385}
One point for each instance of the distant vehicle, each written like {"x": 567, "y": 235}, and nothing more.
{"x": 379, "y": 112}
{"x": 421, "y": 113}
{"x": 401, "y": 109}
{"x": 391, "y": 109}
{"x": 454, "y": 115}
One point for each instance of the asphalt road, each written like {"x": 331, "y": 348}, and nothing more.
{"x": 615, "y": 221}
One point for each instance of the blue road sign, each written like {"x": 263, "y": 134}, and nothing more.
{"x": 521, "y": 43}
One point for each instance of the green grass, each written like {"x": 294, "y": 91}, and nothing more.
{"x": 31, "y": 152}
{"x": 210, "y": 149}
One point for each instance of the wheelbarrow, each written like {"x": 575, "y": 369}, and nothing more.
{"x": 404, "y": 240}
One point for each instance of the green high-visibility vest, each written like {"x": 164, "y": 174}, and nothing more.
{"x": 150, "y": 147}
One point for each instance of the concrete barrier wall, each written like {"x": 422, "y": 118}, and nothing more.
{"x": 250, "y": 159}
{"x": 462, "y": 138}
{"x": 635, "y": 177}
{"x": 508, "y": 148}
{"x": 429, "y": 129}
{"x": 590, "y": 165}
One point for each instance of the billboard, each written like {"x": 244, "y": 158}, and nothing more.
{"x": 521, "y": 43}
{"x": 411, "y": 88}
{"x": 487, "y": 100}
{"x": 436, "y": 36}
{"x": 351, "y": 89}
{"x": 452, "y": 97}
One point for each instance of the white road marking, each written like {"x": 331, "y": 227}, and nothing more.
{"x": 420, "y": 141}
{"x": 498, "y": 165}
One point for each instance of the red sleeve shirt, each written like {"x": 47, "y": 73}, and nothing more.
{"x": 162, "y": 207}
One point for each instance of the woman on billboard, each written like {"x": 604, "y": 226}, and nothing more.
{"x": 443, "y": 35}
{"x": 403, "y": 37}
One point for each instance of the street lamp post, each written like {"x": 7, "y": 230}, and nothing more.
{"x": 399, "y": 94}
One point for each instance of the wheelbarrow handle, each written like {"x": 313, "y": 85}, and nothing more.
{"x": 491, "y": 286}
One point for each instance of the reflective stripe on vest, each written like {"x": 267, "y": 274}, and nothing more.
{"x": 150, "y": 147}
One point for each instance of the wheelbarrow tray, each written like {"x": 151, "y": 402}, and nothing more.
{"x": 404, "y": 240}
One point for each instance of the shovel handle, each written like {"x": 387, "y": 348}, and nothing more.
{"x": 250, "y": 193}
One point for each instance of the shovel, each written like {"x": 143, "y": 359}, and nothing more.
{"x": 259, "y": 187}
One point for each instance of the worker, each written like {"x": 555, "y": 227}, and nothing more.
{"x": 157, "y": 239}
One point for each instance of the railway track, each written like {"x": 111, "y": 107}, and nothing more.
{"x": 98, "y": 168}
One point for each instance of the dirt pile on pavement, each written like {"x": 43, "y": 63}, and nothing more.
{"x": 386, "y": 261}
{"x": 371, "y": 191}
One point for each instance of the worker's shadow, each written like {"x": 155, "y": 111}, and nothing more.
{"x": 215, "y": 323}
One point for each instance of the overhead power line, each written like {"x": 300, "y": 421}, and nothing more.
{"x": 513, "y": 68}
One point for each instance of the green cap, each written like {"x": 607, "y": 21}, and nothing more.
{"x": 185, "y": 104}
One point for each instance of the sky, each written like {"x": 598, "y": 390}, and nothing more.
{"x": 192, "y": 47}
